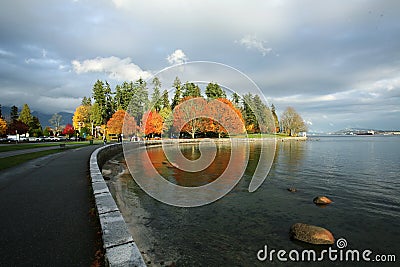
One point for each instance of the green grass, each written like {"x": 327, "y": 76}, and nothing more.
{"x": 279, "y": 135}
{"x": 12, "y": 161}
{"x": 22, "y": 146}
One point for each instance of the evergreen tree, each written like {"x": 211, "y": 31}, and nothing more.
{"x": 165, "y": 100}
{"x": 178, "y": 93}
{"x": 35, "y": 128}
{"x": 14, "y": 113}
{"x": 264, "y": 116}
{"x": 110, "y": 106}
{"x": 213, "y": 91}
{"x": 86, "y": 101}
{"x": 156, "y": 101}
{"x": 95, "y": 115}
{"x": 248, "y": 113}
{"x": 140, "y": 100}
{"x": 99, "y": 97}
{"x": 191, "y": 90}
{"x": 276, "y": 121}
{"x": 235, "y": 99}
{"x": 25, "y": 116}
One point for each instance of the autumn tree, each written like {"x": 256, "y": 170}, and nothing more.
{"x": 214, "y": 91}
{"x": 153, "y": 123}
{"x": 81, "y": 117}
{"x": 120, "y": 122}
{"x": 68, "y": 130}
{"x": 224, "y": 118}
{"x": 3, "y": 126}
{"x": 189, "y": 116}
{"x": 17, "y": 127}
{"x": 292, "y": 123}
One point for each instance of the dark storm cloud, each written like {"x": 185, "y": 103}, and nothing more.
{"x": 337, "y": 63}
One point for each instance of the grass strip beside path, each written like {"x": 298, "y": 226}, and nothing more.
{"x": 12, "y": 161}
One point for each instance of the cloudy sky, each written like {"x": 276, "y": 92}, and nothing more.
{"x": 336, "y": 62}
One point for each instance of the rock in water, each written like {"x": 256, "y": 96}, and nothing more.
{"x": 292, "y": 189}
{"x": 322, "y": 200}
{"x": 311, "y": 234}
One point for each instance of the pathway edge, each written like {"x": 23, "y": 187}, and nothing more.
{"x": 118, "y": 243}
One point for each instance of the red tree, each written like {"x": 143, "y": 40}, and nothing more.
{"x": 68, "y": 130}
{"x": 153, "y": 123}
{"x": 17, "y": 126}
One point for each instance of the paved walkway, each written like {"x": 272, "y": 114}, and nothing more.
{"x": 45, "y": 212}
{"x": 31, "y": 150}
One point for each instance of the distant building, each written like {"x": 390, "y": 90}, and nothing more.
{"x": 302, "y": 134}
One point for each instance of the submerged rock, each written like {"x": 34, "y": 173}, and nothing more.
{"x": 292, "y": 189}
{"x": 322, "y": 200}
{"x": 311, "y": 234}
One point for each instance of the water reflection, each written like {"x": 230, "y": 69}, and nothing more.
{"x": 361, "y": 179}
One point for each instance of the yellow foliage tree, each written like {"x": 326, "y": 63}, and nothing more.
{"x": 81, "y": 116}
{"x": 3, "y": 126}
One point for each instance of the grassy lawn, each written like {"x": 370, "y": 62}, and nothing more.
{"x": 12, "y": 161}
{"x": 36, "y": 145}
{"x": 278, "y": 135}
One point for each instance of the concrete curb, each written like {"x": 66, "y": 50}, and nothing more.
{"x": 120, "y": 248}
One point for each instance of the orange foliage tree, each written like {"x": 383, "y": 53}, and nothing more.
{"x": 189, "y": 115}
{"x": 196, "y": 115}
{"x": 153, "y": 123}
{"x": 224, "y": 117}
{"x": 3, "y": 126}
{"x": 121, "y": 119}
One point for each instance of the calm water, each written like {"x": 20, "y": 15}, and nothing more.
{"x": 360, "y": 174}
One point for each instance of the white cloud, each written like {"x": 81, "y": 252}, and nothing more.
{"x": 178, "y": 57}
{"x": 5, "y": 53}
{"x": 251, "y": 42}
{"x": 116, "y": 68}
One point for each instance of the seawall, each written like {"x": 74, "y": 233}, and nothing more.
{"x": 120, "y": 248}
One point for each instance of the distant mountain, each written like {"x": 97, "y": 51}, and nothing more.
{"x": 43, "y": 117}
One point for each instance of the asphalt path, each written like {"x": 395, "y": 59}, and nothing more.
{"x": 45, "y": 212}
